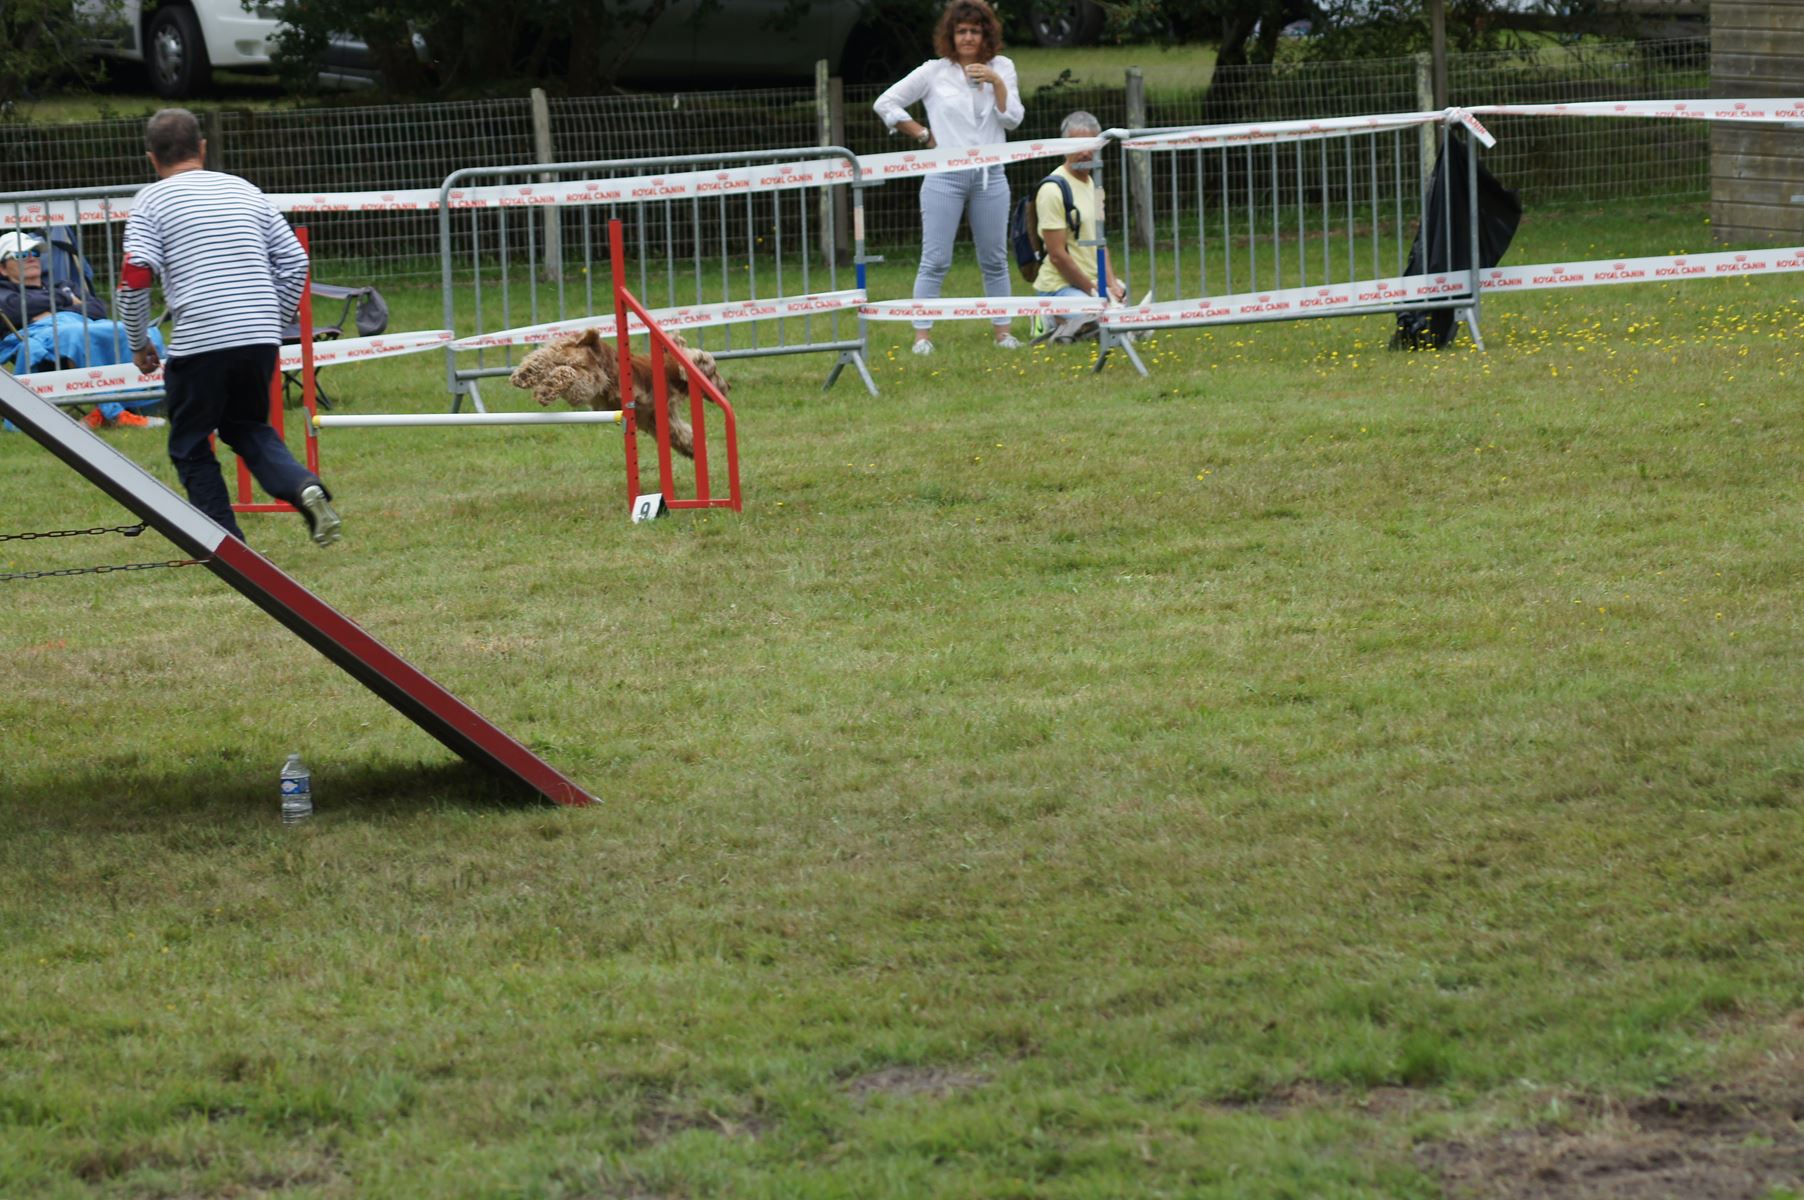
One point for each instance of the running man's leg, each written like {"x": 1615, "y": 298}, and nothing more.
{"x": 244, "y": 375}
{"x": 194, "y": 401}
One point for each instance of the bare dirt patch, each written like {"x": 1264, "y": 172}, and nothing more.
{"x": 914, "y": 1081}
{"x": 661, "y": 1124}
{"x": 1289, "y": 1098}
{"x": 1736, "y": 1141}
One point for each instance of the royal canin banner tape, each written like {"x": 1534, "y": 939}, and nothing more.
{"x": 1205, "y": 136}
{"x": 124, "y": 377}
{"x": 1283, "y": 303}
{"x": 975, "y": 308}
{"x": 1658, "y": 269}
{"x": 1683, "y": 110}
{"x": 725, "y": 313}
{"x": 758, "y": 177}
{"x": 765, "y": 177}
{"x": 1384, "y": 293}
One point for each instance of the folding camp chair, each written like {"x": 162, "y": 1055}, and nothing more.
{"x": 362, "y": 309}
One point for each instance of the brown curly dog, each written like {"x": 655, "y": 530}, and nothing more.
{"x": 584, "y": 370}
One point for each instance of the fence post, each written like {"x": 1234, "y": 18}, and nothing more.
{"x": 1437, "y": 37}
{"x": 544, "y": 152}
{"x": 1425, "y": 139}
{"x": 216, "y": 142}
{"x": 829, "y": 126}
{"x": 1140, "y": 168}
{"x": 842, "y": 220}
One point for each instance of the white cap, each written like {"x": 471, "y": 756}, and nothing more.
{"x": 13, "y": 244}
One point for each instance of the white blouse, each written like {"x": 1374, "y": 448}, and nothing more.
{"x": 958, "y": 112}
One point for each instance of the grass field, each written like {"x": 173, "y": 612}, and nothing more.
{"x": 1311, "y": 771}
{"x": 1168, "y": 68}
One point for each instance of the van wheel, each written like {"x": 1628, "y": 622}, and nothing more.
{"x": 176, "y": 54}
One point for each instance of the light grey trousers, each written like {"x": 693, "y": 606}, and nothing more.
{"x": 945, "y": 200}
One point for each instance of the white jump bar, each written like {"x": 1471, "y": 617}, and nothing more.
{"x": 329, "y": 420}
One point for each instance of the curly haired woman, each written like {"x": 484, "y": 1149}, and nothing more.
{"x": 971, "y": 98}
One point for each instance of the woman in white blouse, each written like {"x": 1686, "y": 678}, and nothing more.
{"x": 971, "y": 99}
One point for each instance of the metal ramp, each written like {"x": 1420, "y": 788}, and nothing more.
{"x": 462, "y": 730}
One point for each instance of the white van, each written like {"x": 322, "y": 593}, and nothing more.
{"x": 181, "y": 41}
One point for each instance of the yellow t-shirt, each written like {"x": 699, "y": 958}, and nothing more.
{"x": 1049, "y": 209}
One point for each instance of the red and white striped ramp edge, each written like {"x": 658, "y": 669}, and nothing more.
{"x": 727, "y": 312}
{"x": 343, "y": 641}
{"x": 1280, "y": 304}
{"x": 680, "y": 185}
{"x": 75, "y": 385}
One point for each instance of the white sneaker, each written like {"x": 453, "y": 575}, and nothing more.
{"x": 322, "y": 519}
{"x": 923, "y": 346}
{"x": 1007, "y": 342}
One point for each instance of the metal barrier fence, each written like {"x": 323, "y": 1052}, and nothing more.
{"x": 83, "y": 254}
{"x": 732, "y": 247}
{"x": 1295, "y": 220}
{"x": 417, "y": 145}
{"x": 1215, "y": 220}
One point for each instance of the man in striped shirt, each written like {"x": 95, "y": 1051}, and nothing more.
{"x": 232, "y": 273}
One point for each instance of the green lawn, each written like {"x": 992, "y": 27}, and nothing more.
{"x": 1230, "y": 784}
{"x": 1167, "y": 67}
{"x": 123, "y": 94}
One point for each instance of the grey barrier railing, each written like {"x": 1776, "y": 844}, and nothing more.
{"x": 1318, "y": 210}
{"x": 511, "y": 268}
{"x": 81, "y": 234}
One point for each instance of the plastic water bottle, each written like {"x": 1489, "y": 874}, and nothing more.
{"x": 297, "y": 791}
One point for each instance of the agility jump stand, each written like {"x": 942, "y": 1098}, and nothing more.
{"x": 701, "y": 391}
{"x": 343, "y": 641}
{"x": 246, "y": 502}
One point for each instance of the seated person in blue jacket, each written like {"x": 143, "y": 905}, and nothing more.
{"x": 50, "y": 324}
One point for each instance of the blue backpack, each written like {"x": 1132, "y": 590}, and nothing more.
{"x": 1024, "y": 227}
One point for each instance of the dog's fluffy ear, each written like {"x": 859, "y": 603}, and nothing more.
{"x": 532, "y": 367}
{"x": 556, "y": 384}
{"x": 591, "y": 341}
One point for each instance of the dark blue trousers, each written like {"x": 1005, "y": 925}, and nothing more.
{"x": 227, "y": 391}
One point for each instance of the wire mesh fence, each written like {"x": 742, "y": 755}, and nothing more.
{"x": 1301, "y": 213}
{"x": 412, "y": 146}
{"x": 780, "y": 262}
{"x": 1554, "y": 161}
{"x": 892, "y": 211}
{"x": 594, "y": 128}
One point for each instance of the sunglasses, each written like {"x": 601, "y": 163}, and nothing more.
{"x": 23, "y": 254}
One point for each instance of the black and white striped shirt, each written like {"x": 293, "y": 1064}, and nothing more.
{"x": 231, "y": 267}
